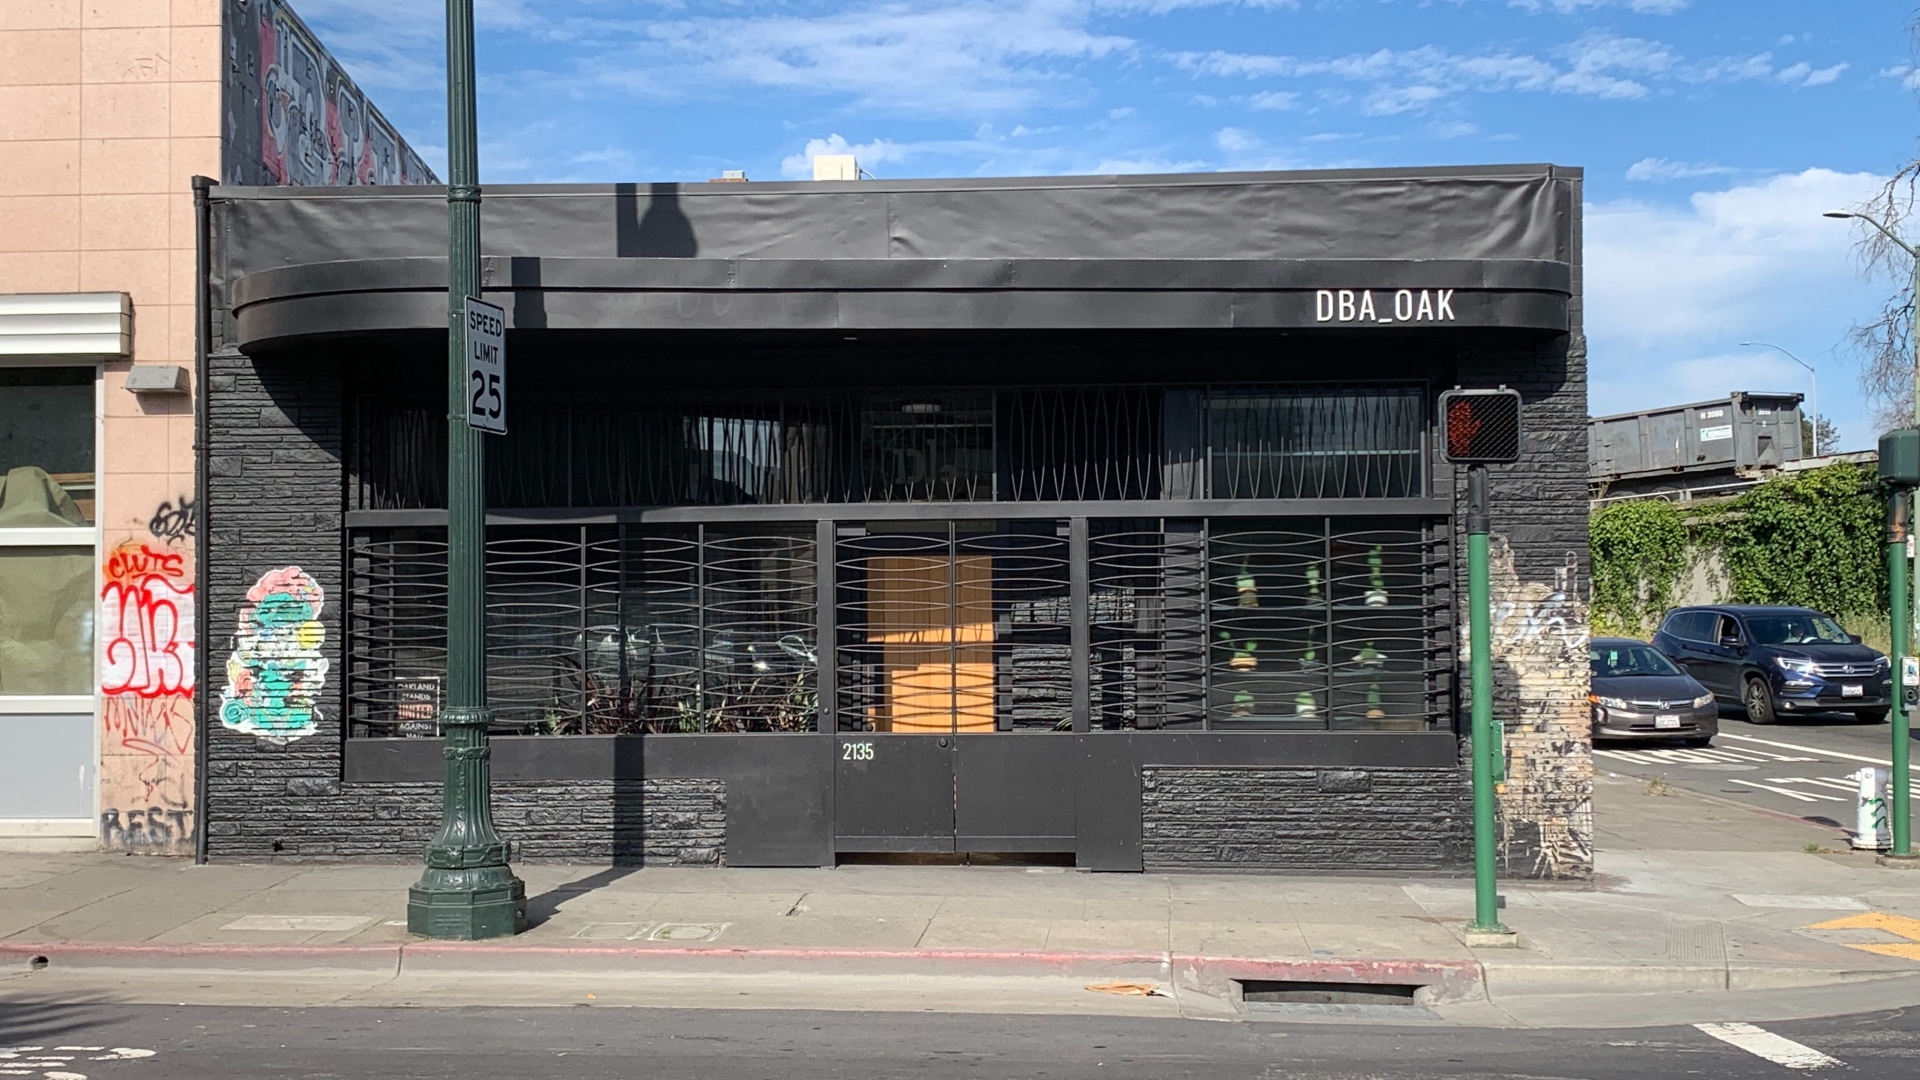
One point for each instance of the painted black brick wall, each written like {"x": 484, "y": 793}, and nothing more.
{"x": 274, "y": 500}
{"x": 1278, "y": 818}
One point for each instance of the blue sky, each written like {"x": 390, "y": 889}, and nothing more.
{"x": 1713, "y": 132}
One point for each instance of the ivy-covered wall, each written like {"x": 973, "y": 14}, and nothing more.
{"x": 1814, "y": 539}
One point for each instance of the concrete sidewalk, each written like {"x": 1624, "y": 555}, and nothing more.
{"x": 1693, "y": 897}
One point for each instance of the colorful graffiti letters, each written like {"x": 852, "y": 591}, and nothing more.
{"x": 146, "y": 624}
{"x": 317, "y": 128}
{"x": 276, "y": 672}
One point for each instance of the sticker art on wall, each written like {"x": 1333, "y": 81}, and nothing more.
{"x": 276, "y": 672}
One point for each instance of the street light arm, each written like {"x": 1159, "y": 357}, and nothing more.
{"x": 1884, "y": 230}
{"x": 1789, "y": 355}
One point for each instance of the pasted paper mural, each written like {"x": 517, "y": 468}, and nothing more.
{"x": 275, "y": 672}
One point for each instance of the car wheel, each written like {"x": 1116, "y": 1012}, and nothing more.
{"x": 1871, "y": 716}
{"x": 1759, "y": 701}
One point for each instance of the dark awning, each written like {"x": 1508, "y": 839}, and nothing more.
{"x": 638, "y": 294}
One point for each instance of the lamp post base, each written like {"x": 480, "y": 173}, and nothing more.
{"x": 467, "y": 905}
{"x": 1900, "y": 862}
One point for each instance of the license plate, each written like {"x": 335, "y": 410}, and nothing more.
{"x": 1666, "y": 721}
{"x": 1852, "y": 690}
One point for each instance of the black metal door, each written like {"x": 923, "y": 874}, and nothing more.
{"x": 893, "y": 792}
{"x": 1014, "y": 793}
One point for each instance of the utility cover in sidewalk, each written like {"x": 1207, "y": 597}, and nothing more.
{"x": 312, "y": 924}
{"x": 1811, "y": 903}
{"x": 688, "y": 931}
{"x": 613, "y": 931}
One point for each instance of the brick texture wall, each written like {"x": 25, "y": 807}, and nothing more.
{"x": 276, "y": 479}
{"x": 1539, "y": 579}
{"x": 1270, "y": 818}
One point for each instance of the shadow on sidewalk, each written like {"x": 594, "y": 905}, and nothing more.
{"x": 544, "y": 906}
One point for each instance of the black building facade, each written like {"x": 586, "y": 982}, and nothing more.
{"x": 1097, "y": 518}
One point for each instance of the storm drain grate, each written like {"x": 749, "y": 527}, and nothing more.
{"x": 1290, "y": 992}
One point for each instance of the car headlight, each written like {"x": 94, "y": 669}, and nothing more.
{"x": 1703, "y": 701}
{"x": 1608, "y": 702}
{"x": 1788, "y": 663}
{"x": 1883, "y": 664}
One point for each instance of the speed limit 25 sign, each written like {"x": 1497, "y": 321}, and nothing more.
{"x": 486, "y": 367}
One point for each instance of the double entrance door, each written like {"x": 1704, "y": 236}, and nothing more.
{"x": 953, "y": 695}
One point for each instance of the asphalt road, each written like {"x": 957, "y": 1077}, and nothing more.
{"x": 1801, "y": 766}
{"x": 103, "y": 1042}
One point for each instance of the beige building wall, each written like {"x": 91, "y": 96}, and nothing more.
{"x": 107, "y": 109}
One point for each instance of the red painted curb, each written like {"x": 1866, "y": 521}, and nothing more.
{"x": 1317, "y": 969}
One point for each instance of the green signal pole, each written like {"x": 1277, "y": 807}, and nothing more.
{"x": 1486, "y": 904}
{"x": 468, "y": 891}
{"x": 1900, "y": 814}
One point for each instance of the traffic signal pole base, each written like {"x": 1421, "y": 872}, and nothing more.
{"x": 1491, "y": 937}
{"x": 1899, "y": 862}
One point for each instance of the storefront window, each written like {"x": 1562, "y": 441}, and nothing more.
{"x": 46, "y": 483}
{"x": 594, "y": 630}
{"x": 1357, "y": 443}
{"x": 967, "y": 445}
{"x": 46, "y": 423}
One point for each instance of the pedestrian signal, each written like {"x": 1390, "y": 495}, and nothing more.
{"x": 1481, "y": 427}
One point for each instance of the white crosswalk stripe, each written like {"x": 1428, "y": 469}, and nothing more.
{"x": 1803, "y": 796}
{"x": 1778, "y": 1049}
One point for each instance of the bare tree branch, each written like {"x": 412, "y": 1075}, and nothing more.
{"x": 1885, "y": 342}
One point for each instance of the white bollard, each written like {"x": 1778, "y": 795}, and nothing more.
{"x": 1870, "y": 832}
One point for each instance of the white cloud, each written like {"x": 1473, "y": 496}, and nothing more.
{"x": 1162, "y": 7}
{"x": 1407, "y": 80}
{"x": 869, "y": 154}
{"x": 1823, "y": 76}
{"x": 1715, "y": 375}
{"x": 1671, "y": 289}
{"x": 1234, "y": 140}
{"x": 1148, "y": 163}
{"x": 1720, "y": 264}
{"x": 1568, "y": 7}
{"x": 1274, "y": 100}
{"x": 1656, "y": 168}
{"x": 1908, "y": 75}
{"x": 1599, "y": 65}
{"x": 1120, "y": 113}
{"x": 968, "y": 57}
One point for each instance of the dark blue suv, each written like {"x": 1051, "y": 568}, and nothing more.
{"x": 1771, "y": 660}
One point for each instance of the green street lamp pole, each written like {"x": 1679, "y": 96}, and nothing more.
{"x": 1897, "y": 532}
{"x": 1486, "y": 747}
{"x": 468, "y": 891}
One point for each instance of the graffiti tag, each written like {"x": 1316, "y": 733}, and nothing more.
{"x": 275, "y": 672}
{"x": 174, "y": 521}
{"x": 146, "y": 624}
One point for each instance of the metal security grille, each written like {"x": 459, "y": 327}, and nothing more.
{"x": 946, "y": 626}
{"x": 1096, "y": 442}
{"x": 1275, "y": 443}
{"x": 1147, "y": 614}
{"x": 593, "y": 630}
{"x": 955, "y": 627}
{"x": 1329, "y": 623}
{"x": 968, "y": 445}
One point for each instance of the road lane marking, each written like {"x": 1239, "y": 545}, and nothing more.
{"x": 1803, "y": 796}
{"x": 1897, "y": 925}
{"x": 1834, "y": 782}
{"x": 1778, "y": 1049}
{"x": 1883, "y": 762}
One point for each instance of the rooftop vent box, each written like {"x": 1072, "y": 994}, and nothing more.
{"x": 835, "y": 167}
